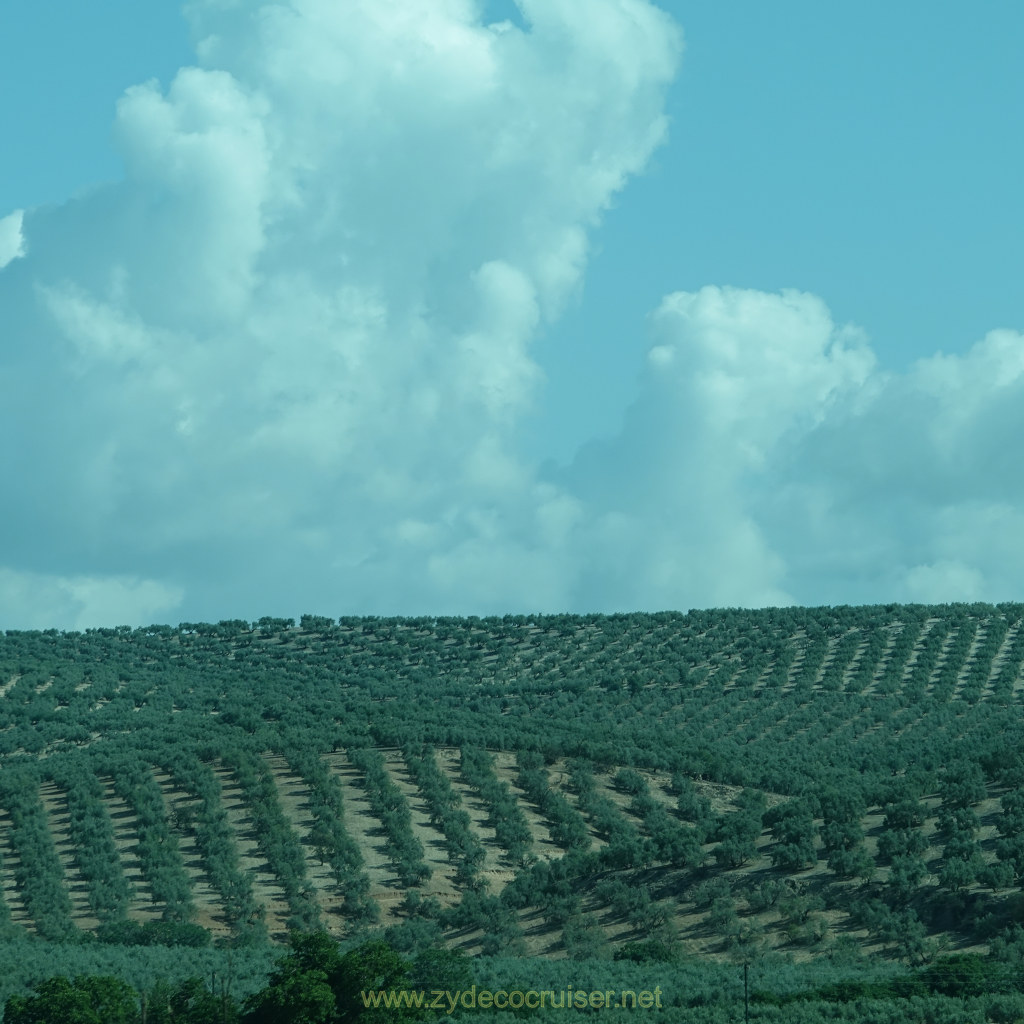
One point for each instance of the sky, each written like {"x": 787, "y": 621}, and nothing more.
{"x": 424, "y": 307}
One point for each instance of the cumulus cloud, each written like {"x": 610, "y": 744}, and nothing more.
{"x": 284, "y": 359}
{"x": 733, "y": 376}
{"x": 281, "y": 367}
{"x": 12, "y": 243}
{"x": 917, "y": 490}
{"x": 770, "y": 461}
{"x": 39, "y": 600}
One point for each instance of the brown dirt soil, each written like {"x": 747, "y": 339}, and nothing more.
{"x": 266, "y": 888}
{"x": 368, "y": 833}
{"x": 210, "y": 912}
{"x": 126, "y": 840}
{"x": 55, "y": 804}
{"x": 293, "y": 795}
{"x": 10, "y": 860}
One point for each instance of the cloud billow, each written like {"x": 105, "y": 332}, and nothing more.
{"x": 282, "y": 366}
{"x": 284, "y": 359}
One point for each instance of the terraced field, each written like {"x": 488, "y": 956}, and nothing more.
{"x": 722, "y": 721}
{"x": 673, "y": 887}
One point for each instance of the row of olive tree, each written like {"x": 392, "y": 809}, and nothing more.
{"x": 92, "y": 838}
{"x": 567, "y": 825}
{"x": 157, "y": 847}
{"x": 216, "y": 843}
{"x": 464, "y": 848}
{"x": 389, "y": 806}
{"x": 38, "y": 872}
{"x": 504, "y": 814}
{"x": 276, "y": 838}
{"x": 331, "y": 841}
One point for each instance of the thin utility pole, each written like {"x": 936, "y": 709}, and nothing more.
{"x": 746, "y": 994}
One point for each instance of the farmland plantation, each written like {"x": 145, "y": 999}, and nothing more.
{"x": 365, "y": 830}
{"x": 294, "y": 797}
{"x": 792, "y": 783}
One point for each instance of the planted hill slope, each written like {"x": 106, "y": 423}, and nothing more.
{"x": 716, "y": 693}
{"x": 724, "y": 779}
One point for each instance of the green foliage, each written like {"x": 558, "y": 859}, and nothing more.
{"x": 39, "y": 874}
{"x": 188, "y": 1002}
{"x": 567, "y": 826}
{"x": 900, "y": 928}
{"x": 317, "y": 624}
{"x": 92, "y": 835}
{"x": 823, "y": 706}
{"x": 583, "y": 938}
{"x": 841, "y": 805}
{"x": 215, "y": 840}
{"x": 276, "y": 838}
{"x": 896, "y": 843}
{"x": 630, "y": 782}
{"x": 371, "y": 967}
{"x": 904, "y": 814}
{"x": 765, "y": 895}
{"x": 626, "y": 847}
{"x": 320, "y": 983}
{"x": 389, "y": 805}
{"x": 907, "y": 873}
{"x": 1011, "y": 821}
{"x": 966, "y": 975}
{"x": 739, "y": 831}
{"x": 722, "y": 915}
{"x": 504, "y": 814}
{"x": 86, "y": 1000}
{"x": 705, "y": 893}
{"x": 157, "y": 849}
{"x": 293, "y": 997}
{"x": 854, "y": 862}
{"x": 651, "y": 951}
{"x": 28, "y": 960}
{"x": 962, "y": 784}
{"x": 794, "y": 833}
{"x": 670, "y": 841}
{"x": 691, "y": 805}
{"x": 153, "y": 933}
{"x": 300, "y": 990}
{"x": 331, "y": 841}
{"x": 957, "y": 821}
{"x": 464, "y": 848}
{"x": 414, "y": 935}
{"x": 491, "y": 914}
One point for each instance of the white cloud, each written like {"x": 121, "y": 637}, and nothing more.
{"x": 769, "y": 461}
{"x": 673, "y": 501}
{"x": 286, "y": 358}
{"x": 12, "y": 242}
{"x": 944, "y": 582}
{"x": 283, "y": 365}
{"x": 915, "y": 488}
{"x": 751, "y": 366}
{"x": 39, "y": 600}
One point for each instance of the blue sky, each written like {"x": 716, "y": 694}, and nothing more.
{"x": 621, "y": 306}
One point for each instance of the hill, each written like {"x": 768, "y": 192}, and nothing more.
{"x": 725, "y": 783}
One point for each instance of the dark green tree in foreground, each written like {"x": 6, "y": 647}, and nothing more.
{"x": 188, "y": 1002}
{"x": 318, "y": 984}
{"x": 294, "y": 996}
{"x": 300, "y": 990}
{"x": 93, "y": 999}
{"x": 371, "y": 967}
{"x": 86, "y": 1000}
